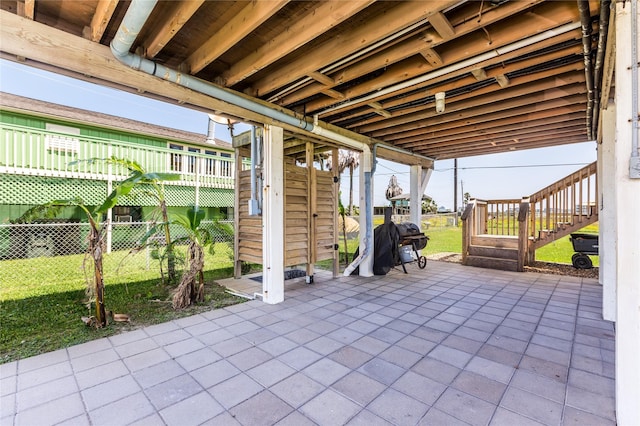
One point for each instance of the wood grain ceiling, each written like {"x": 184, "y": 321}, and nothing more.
{"x": 372, "y": 67}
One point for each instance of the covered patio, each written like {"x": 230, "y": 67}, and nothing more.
{"x": 449, "y": 344}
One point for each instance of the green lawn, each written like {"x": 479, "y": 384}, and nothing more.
{"x": 39, "y": 314}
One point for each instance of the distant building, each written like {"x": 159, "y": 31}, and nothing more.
{"x": 39, "y": 140}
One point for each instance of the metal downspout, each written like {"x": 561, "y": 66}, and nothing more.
{"x": 603, "y": 32}
{"x": 585, "y": 21}
{"x": 133, "y": 21}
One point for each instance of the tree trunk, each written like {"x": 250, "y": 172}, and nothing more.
{"x": 171, "y": 257}
{"x": 186, "y": 292}
{"x": 95, "y": 247}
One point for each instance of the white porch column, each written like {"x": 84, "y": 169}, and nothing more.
{"x": 607, "y": 214}
{"x": 415, "y": 200}
{"x": 627, "y": 208}
{"x": 366, "y": 266}
{"x": 273, "y": 216}
{"x": 418, "y": 180}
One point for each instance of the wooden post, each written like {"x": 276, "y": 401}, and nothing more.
{"x": 312, "y": 212}
{"x": 523, "y": 234}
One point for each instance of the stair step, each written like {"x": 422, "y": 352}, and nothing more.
{"x": 499, "y": 241}
{"x": 494, "y": 252}
{"x": 492, "y": 263}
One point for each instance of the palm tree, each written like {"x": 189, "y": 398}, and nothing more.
{"x": 393, "y": 190}
{"x": 348, "y": 160}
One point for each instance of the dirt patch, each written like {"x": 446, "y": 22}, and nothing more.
{"x": 540, "y": 267}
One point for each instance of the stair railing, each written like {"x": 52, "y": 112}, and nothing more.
{"x": 570, "y": 201}
{"x": 468, "y": 220}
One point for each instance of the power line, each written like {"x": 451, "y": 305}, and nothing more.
{"x": 512, "y": 167}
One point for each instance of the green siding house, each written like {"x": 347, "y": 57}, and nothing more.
{"x": 38, "y": 140}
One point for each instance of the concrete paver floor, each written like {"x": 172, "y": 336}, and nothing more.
{"x": 447, "y": 345}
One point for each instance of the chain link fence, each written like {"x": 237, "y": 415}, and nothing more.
{"x": 51, "y": 238}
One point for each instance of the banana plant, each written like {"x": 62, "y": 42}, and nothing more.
{"x": 95, "y": 289}
{"x": 139, "y": 178}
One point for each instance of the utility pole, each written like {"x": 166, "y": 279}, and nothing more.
{"x": 455, "y": 185}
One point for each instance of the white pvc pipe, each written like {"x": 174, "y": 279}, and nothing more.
{"x": 459, "y": 65}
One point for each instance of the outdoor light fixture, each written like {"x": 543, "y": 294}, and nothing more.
{"x": 440, "y": 102}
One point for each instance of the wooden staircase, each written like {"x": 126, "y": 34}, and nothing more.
{"x": 504, "y": 234}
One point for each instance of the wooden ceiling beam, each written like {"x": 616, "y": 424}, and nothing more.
{"x": 317, "y": 21}
{"x": 380, "y": 110}
{"x": 423, "y": 44}
{"x": 487, "y": 123}
{"x": 549, "y": 87}
{"x": 250, "y": 17}
{"x": 520, "y": 27}
{"x": 486, "y": 128}
{"x": 402, "y": 14}
{"x": 519, "y": 145}
{"x": 513, "y": 108}
{"x": 442, "y": 25}
{"x": 26, "y": 8}
{"x": 165, "y": 31}
{"x": 322, "y": 79}
{"x": 451, "y": 86}
{"x": 525, "y": 132}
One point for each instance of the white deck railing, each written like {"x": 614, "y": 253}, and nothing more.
{"x": 28, "y": 151}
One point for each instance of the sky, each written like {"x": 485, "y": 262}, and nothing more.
{"x": 497, "y": 176}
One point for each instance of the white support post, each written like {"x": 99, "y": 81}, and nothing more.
{"x": 627, "y": 210}
{"x": 415, "y": 201}
{"x": 607, "y": 214}
{"x": 109, "y": 236}
{"x": 273, "y": 216}
{"x": 366, "y": 266}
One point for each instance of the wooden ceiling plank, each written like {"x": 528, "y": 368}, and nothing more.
{"x": 514, "y": 66}
{"x": 423, "y": 45}
{"x": 577, "y": 124}
{"x": 163, "y": 33}
{"x": 573, "y": 80}
{"x": 470, "y": 46}
{"x": 401, "y": 15}
{"x": 68, "y": 54}
{"x": 487, "y": 149}
{"x": 442, "y": 25}
{"x": 250, "y": 17}
{"x": 486, "y": 128}
{"x": 516, "y": 108}
{"x": 318, "y": 21}
{"x": 527, "y": 102}
{"x": 488, "y": 123}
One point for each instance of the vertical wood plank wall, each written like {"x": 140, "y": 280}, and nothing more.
{"x": 300, "y": 234}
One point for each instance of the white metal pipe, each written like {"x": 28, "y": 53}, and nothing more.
{"x": 459, "y": 65}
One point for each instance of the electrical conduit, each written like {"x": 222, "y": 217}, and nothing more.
{"x": 135, "y": 18}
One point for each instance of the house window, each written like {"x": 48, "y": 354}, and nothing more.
{"x": 192, "y": 160}
{"x": 62, "y": 143}
{"x": 175, "y": 158}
